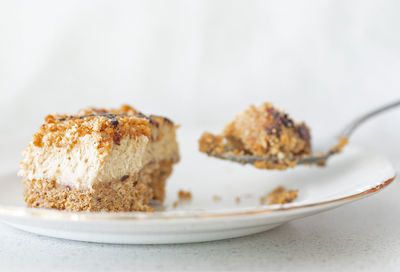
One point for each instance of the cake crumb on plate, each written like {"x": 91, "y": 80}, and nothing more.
{"x": 280, "y": 195}
{"x": 184, "y": 195}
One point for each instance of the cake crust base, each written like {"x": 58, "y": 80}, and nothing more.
{"x": 130, "y": 193}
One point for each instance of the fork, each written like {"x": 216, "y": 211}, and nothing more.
{"x": 319, "y": 158}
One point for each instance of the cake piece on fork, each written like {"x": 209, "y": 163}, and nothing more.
{"x": 262, "y": 131}
{"x": 99, "y": 160}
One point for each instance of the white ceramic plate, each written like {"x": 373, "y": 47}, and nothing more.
{"x": 350, "y": 176}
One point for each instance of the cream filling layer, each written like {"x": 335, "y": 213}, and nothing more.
{"x": 83, "y": 166}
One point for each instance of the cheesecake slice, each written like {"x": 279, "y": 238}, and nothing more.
{"x": 99, "y": 160}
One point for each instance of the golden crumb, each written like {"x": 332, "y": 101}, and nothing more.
{"x": 184, "y": 195}
{"x": 343, "y": 141}
{"x": 280, "y": 195}
{"x": 237, "y": 200}
{"x": 261, "y": 131}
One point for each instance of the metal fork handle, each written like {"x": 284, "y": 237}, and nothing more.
{"x": 348, "y": 131}
{"x": 350, "y": 128}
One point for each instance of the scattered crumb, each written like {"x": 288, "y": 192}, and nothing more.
{"x": 216, "y": 198}
{"x": 237, "y": 199}
{"x": 183, "y": 195}
{"x": 280, "y": 195}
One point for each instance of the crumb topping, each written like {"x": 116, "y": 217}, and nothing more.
{"x": 110, "y": 126}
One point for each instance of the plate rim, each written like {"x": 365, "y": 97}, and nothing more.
{"x": 48, "y": 214}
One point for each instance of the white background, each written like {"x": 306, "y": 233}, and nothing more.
{"x": 199, "y": 62}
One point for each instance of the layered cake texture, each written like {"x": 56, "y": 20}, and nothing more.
{"x": 99, "y": 160}
{"x": 262, "y": 131}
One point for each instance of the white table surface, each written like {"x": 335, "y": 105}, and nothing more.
{"x": 361, "y": 236}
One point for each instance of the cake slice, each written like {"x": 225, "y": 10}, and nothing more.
{"x": 99, "y": 160}
{"x": 261, "y": 131}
